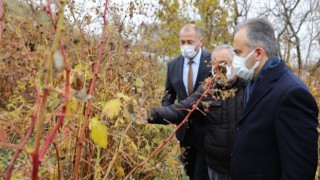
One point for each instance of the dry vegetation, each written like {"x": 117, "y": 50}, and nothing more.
{"x": 72, "y": 101}
{"x": 90, "y": 98}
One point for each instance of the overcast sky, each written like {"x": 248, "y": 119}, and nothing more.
{"x": 89, "y": 5}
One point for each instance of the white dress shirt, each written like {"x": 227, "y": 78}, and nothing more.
{"x": 195, "y": 69}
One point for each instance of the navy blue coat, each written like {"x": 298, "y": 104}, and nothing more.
{"x": 174, "y": 89}
{"x": 277, "y": 135}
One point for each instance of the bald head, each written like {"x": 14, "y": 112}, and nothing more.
{"x": 222, "y": 54}
{"x": 191, "y": 28}
{"x": 190, "y": 34}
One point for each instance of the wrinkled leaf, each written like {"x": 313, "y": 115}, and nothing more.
{"x": 112, "y": 108}
{"x": 99, "y": 132}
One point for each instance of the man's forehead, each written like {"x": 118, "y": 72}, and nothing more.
{"x": 222, "y": 55}
{"x": 187, "y": 36}
{"x": 239, "y": 37}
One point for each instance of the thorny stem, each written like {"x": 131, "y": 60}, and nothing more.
{"x": 185, "y": 120}
{"x": 25, "y": 139}
{"x": 91, "y": 90}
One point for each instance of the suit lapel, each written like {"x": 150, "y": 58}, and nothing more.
{"x": 264, "y": 87}
{"x": 180, "y": 74}
{"x": 203, "y": 67}
{"x": 261, "y": 90}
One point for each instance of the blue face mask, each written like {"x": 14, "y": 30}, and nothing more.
{"x": 239, "y": 65}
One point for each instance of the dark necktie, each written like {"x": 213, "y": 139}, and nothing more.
{"x": 190, "y": 77}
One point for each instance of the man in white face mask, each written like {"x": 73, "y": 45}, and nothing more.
{"x": 277, "y": 135}
{"x": 184, "y": 75}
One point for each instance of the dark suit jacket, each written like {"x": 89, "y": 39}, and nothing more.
{"x": 277, "y": 134}
{"x": 175, "y": 89}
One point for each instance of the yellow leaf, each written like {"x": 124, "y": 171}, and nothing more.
{"x": 72, "y": 108}
{"x": 314, "y": 91}
{"x": 120, "y": 171}
{"x": 54, "y": 173}
{"x": 112, "y": 108}
{"x": 119, "y": 122}
{"x": 131, "y": 145}
{"x": 126, "y": 116}
{"x": 124, "y": 97}
{"x": 29, "y": 149}
{"x": 134, "y": 102}
{"x": 17, "y": 175}
{"x": 139, "y": 83}
{"x": 80, "y": 67}
{"x": 99, "y": 132}
{"x": 171, "y": 162}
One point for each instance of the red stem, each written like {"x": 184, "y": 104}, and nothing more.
{"x": 49, "y": 11}
{"x": 194, "y": 107}
{"x": 25, "y": 139}
{"x": 35, "y": 154}
{"x": 61, "y": 118}
{"x": 91, "y": 90}
{"x": 38, "y": 155}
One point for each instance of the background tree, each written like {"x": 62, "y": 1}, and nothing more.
{"x": 295, "y": 22}
{"x": 216, "y": 21}
{"x": 97, "y": 58}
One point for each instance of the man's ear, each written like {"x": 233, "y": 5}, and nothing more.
{"x": 261, "y": 54}
{"x": 201, "y": 42}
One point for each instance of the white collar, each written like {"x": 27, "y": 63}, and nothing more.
{"x": 196, "y": 59}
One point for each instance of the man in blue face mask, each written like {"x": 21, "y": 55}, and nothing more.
{"x": 277, "y": 135}
{"x": 184, "y": 75}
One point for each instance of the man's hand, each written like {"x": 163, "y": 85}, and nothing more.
{"x": 151, "y": 113}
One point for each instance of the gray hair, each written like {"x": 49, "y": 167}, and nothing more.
{"x": 260, "y": 33}
{"x": 224, "y": 46}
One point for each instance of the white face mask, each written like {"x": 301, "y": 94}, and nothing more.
{"x": 188, "y": 51}
{"x": 239, "y": 65}
{"x": 231, "y": 74}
